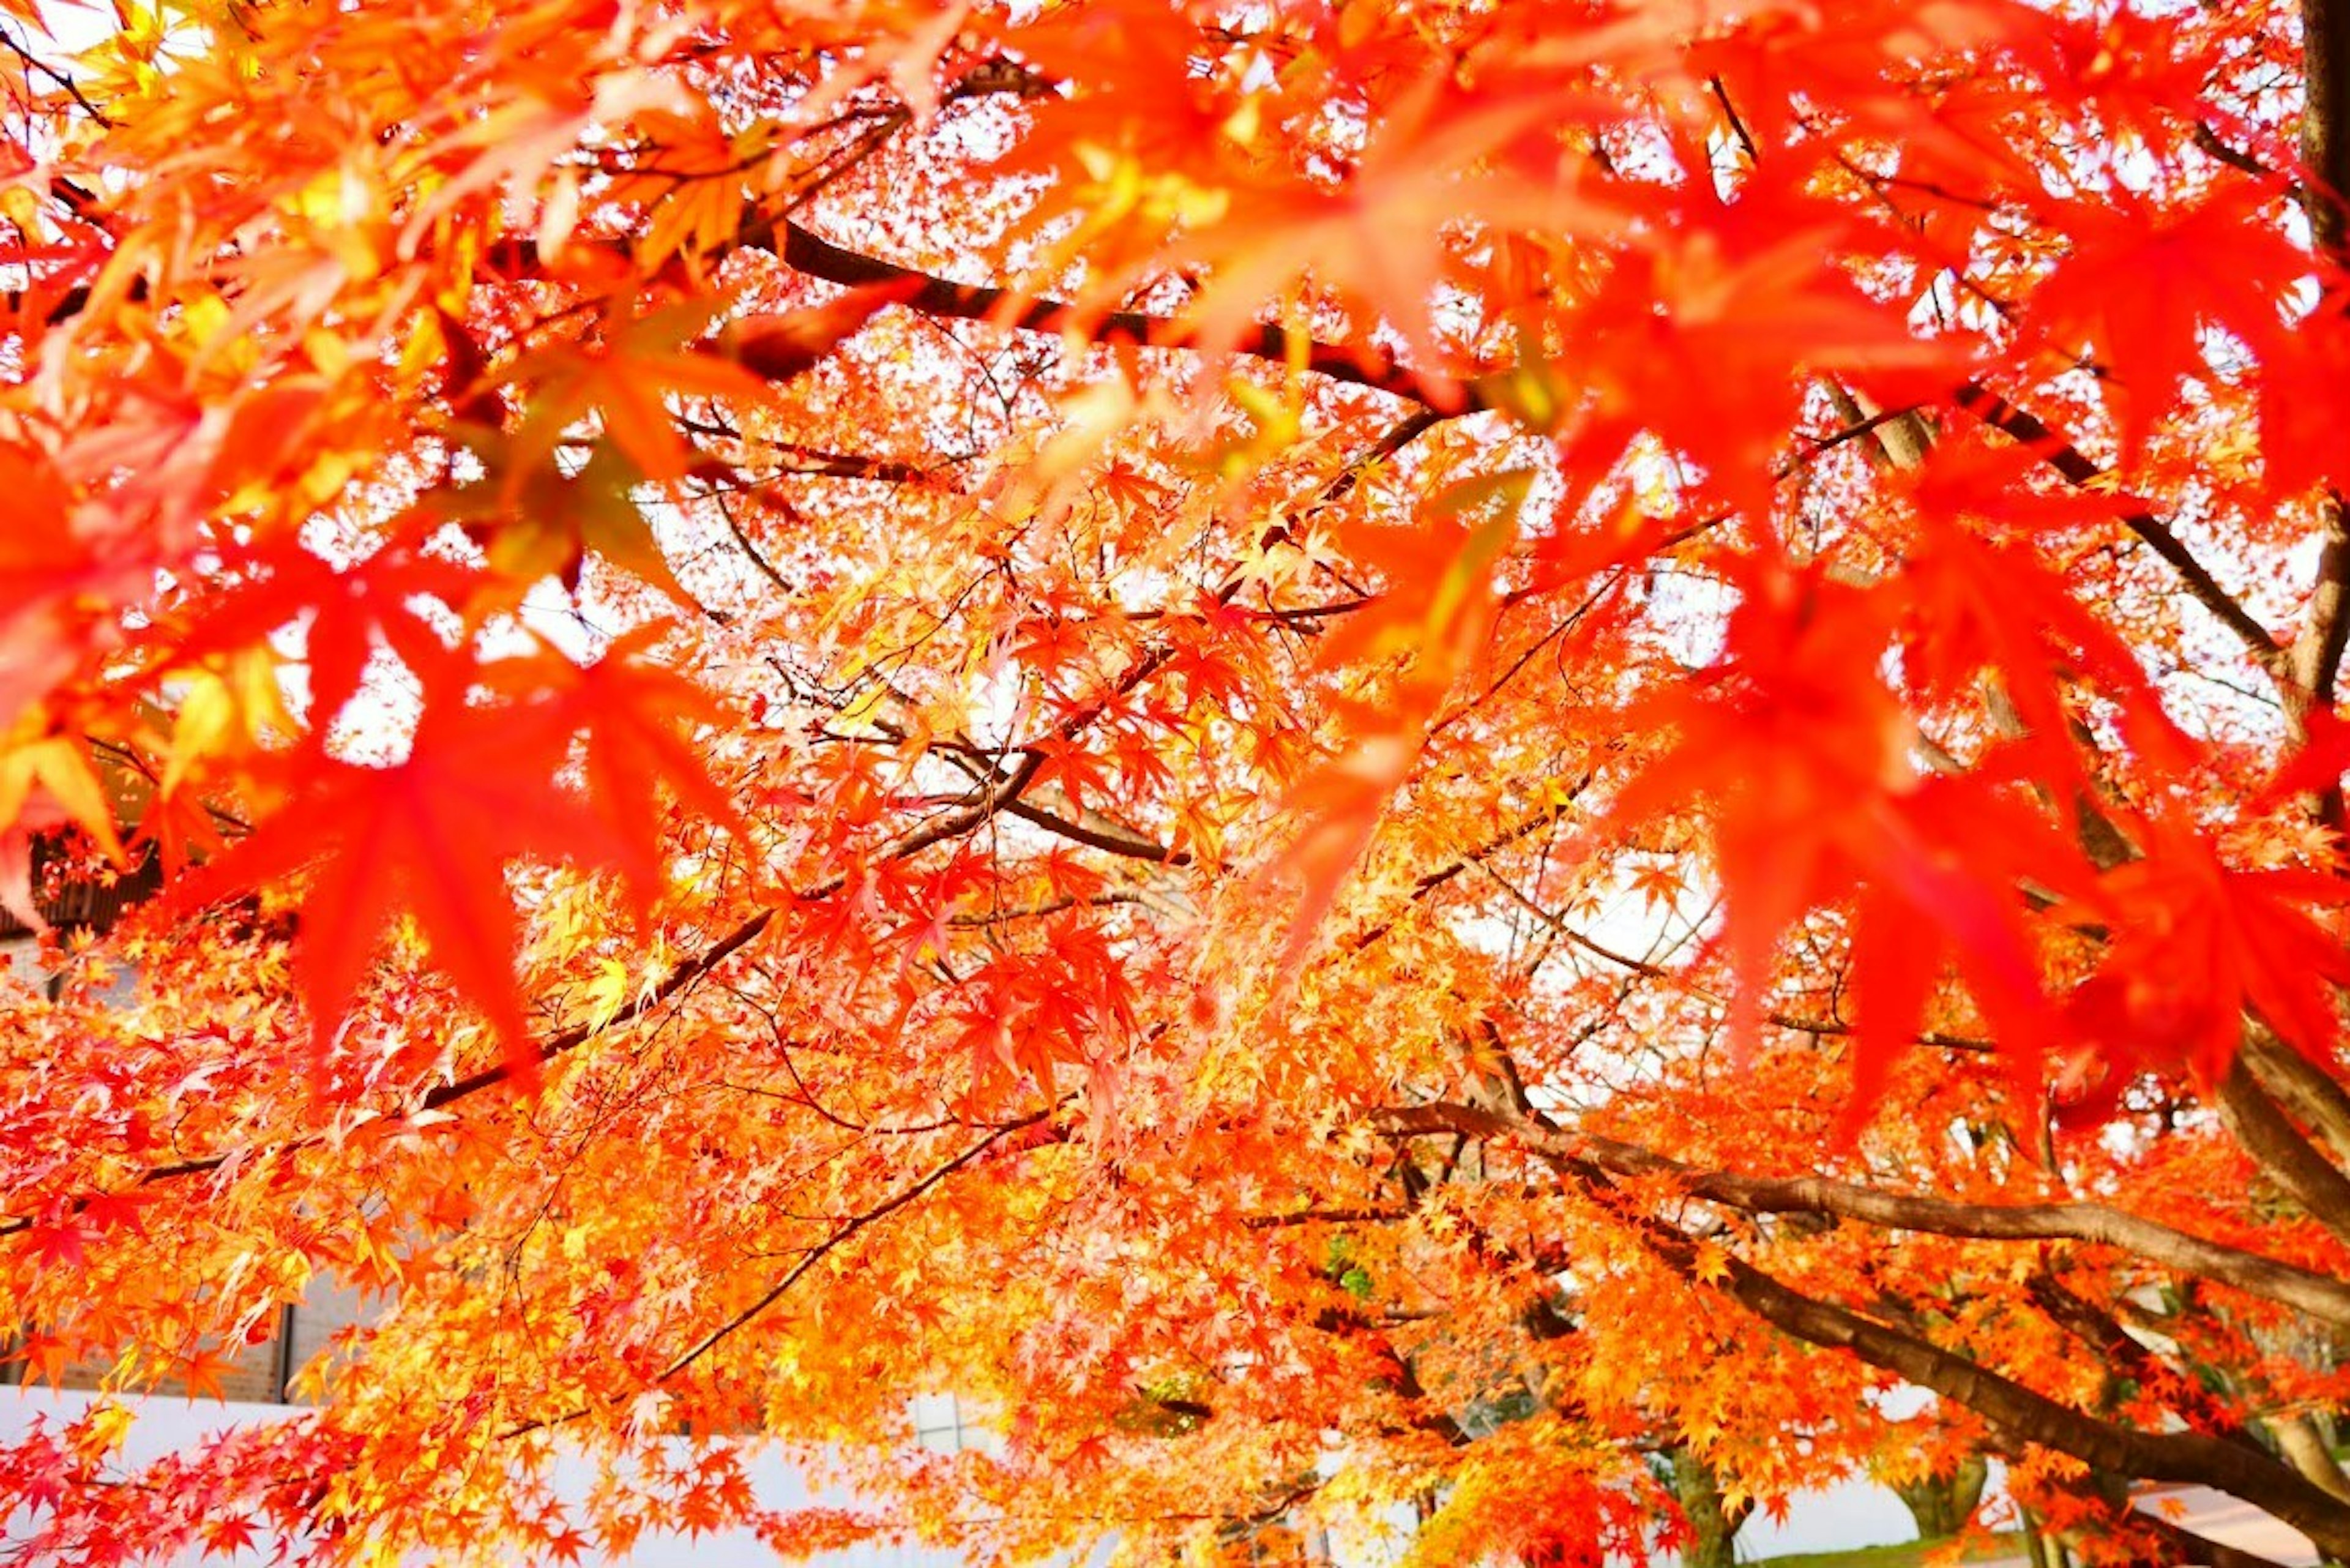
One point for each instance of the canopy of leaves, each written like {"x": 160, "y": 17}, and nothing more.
{"x": 1357, "y": 756}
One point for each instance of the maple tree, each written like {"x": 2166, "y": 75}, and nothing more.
{"x": 1352, "y": 754}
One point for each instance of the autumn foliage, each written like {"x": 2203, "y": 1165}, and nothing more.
{"x": 1359, "y": 757}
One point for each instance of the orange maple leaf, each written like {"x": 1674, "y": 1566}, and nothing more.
{"x": 201, "y": 1372}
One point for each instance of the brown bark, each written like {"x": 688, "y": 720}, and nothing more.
{"x": 2284, "y": 1155}
{"x": 2319, "y": 1295}
{"x": 2031, "y": 1418}
{"x": 2081, "y": 471}
{"x": 2325, "y": 122}
{"x": 2298, "y": 1439}
{"x": 805, "y": 251}
{"x": 2022, "y": 1414}
{"x": 1713, "y": 1520}
{"x": 2304, "y": 1090}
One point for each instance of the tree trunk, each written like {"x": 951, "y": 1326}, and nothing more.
{"x": 1713, "y": 1520}
{"x": 2044, "y": 1551}
{"x": 2298, "y": 1438}
{"x": 1942, "y": 1504}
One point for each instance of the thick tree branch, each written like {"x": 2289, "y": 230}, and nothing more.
{"x": 2316, "y": 657}
{"x": 2326, "y": 161}
{"x": 2269, "y": 1137}
{"x": 2325, "y": 122}
{"x": 2319, "y": 1295}
{"x": 2081, "y": 472}
{"x": 2025, "y": 1416}
{"x": 2032, "y": 1417}
{"x": 809, "y": 253}
{"x": 2305, "y": 1449}
{"x": 2303, "y": 1089}
{"x": 804, "y": 251}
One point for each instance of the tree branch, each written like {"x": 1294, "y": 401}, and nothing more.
{"x": 2033, "y": 1418}
{"x": 2104, "y": 1334}
{"x": 2317, "y": 651}
{"x": 2325, "y": 123}
{"x": 2200, "y": 1551}
{"x": 2301, "y": 1087}
{"x": 846, "y": 1233}
{"x": 805, "y": 252}
{"x": 2079, "y": 470}
{"x": 2270, "y": 1139}
{"x": 2320, "y": 1295}
{"x": 1098, "y": 831}
{"x": 985, "y": 801}
{"x": 2316, "y": 657}
{"x": 2026, "y": 1416}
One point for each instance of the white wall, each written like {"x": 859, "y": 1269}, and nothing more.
{"x": 1857, "y": 1515}
{"x": 166, "y": 1424}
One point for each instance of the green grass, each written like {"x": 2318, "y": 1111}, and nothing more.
{"x": 1904, "y": 1555}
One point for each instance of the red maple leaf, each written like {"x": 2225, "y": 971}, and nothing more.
{"x": 2195, "y": 945}
{"x": 431, "y": 838}
{"x": 637, "y": 716}
{"x": 348, "y": 610}
{"x": 1805, "y": 769}
{"x": 2140, "y": 284}
{"x": 1706, "y": 339}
